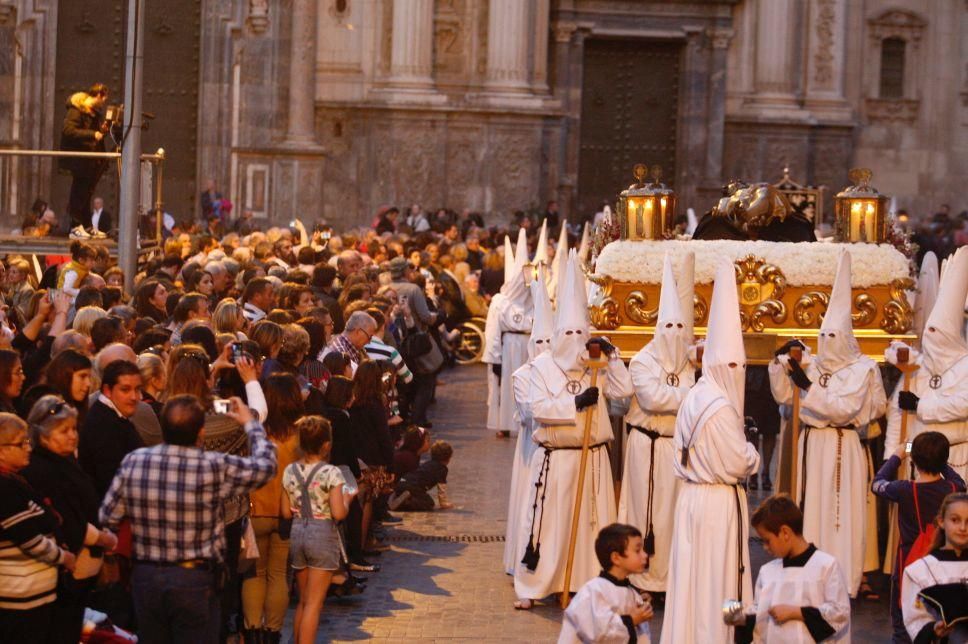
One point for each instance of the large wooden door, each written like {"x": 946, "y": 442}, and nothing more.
{"x": 629, "y": 111}
{"x": 90, "y": 48}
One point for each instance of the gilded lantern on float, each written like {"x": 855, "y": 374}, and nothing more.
{"x": 645, "y": 211}
{"x": 861, "y": 210}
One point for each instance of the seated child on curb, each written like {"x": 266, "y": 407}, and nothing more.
{"x": 800, "y": 596}
{"x": 410, "y": 494}
{"x": 917, "y": 501}
{"x": 941, "y": 576}
{"x": 608, "y": 608}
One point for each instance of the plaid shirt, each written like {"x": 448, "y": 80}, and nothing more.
{"x": 173, "y": 496}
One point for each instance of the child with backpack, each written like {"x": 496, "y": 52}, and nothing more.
{"x": 918, "y": 502}
{"x": 933, "y": 591}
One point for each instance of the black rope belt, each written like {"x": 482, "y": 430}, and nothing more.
{"x": 649, "y": 542}
{"x": 739, "y": 543}
{"x": 532, "y": 553}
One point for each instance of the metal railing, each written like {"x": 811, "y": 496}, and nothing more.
{"x": 156, "y": 159}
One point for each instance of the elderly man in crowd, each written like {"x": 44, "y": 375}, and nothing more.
{"x": 172, "y": 494}
{"x": 360, "y": 329}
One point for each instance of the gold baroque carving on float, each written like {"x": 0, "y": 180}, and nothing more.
{"x": 805, "y": 316}
{"x": 604, "y": 315}
{"x": 761, "y": 288}
{"x": 636, "y": 308}
{"x": 898, "y": 314}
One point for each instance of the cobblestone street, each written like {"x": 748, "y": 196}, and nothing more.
{"x": 442, "y": 578}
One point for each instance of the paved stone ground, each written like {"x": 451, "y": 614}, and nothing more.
{"x": 442, "y": 579}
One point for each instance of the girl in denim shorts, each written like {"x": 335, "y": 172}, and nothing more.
{"x": 314, "y": 497}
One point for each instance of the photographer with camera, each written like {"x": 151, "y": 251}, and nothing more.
{"x": 84, "y": 130}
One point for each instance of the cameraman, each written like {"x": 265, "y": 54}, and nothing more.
{"x": 83, "y": 131}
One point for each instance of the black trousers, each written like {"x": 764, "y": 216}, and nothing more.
{"x": 26, "y": 625}
{"x": 68, "y": 614}
{"x": 423, "y": 392}
{"x": 79, "y": 202}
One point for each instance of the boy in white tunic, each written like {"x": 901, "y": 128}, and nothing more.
{"x": 514, "y": 322}
{"x": 709, "y": 561}
{"x": 842, "y": 393}
{"x": 800, "y": 596}
{"x": 608, "y": 609}
{"x": 662, "y": 375}
{"x": 520, "y": 497}
{"x": 562, "y": 397}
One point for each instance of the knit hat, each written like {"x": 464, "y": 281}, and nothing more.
{"x": 398, "y": 267}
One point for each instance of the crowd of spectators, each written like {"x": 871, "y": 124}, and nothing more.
{"x": 172, "y": 457}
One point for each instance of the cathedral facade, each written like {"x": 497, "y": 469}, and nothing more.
{"x": 330, "y": 108}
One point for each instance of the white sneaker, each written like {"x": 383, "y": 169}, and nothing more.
{"x": 78, "y": 232}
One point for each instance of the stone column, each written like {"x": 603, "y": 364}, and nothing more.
{"x": 508, "y": 34}
{"x": 775, "y": 76}
{"x": 302, "y": 75}
{"x": 411, "y": 53}
{"x": 826, "y": 70}
{"x": 719, "y": 40}
{"x": 542, "y": 14}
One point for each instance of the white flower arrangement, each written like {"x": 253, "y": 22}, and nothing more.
{"x": 803, "y": 264}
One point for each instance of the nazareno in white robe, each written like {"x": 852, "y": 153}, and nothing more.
{"x": 492, "y": 356}
{"x": 653, "y": 407}
{"x": 832, "y": 475}
{"x": 595, "y": 614}
{"x": 939, "y": 567}
{"x": 942, "y": 408}
{"x": 515, "y": 324}
{"x": 520, "y": 495}
{"x": 711, "y": 533}
{"x": 559, "y": 426}
{"x": 817, "y": 583}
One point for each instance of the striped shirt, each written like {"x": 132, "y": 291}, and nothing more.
{"x": 28, "y": 553}
{"x": 379, "y": 350}
{"x": 173, "y": 496}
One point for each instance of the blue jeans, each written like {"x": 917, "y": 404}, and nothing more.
{"x": 174, "y": 604}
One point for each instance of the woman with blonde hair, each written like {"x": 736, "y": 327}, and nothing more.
{"x": 154, "y": 380}
{"x": 85, "y": 318}
{"x": 19, "y": 288}
{"x": 228, "y": 318}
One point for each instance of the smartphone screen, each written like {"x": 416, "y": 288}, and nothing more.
{"x": 907, "y": 448}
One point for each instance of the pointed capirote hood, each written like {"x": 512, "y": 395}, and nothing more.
{"x": 557, "y": 271}
{"x": 517, "y": 291}
{"x": 544, "y": 319}
{"x": 571, "y": 318}
{"x": 929, "y": 279}
{"x": 686, "y": 285}
{"x": 724, "y": 357}
{"x": 836, "y": 345}
{"x": 541, "y": 250}
{"x": 585, "y": 247}
{"x": 508, "y": 260}
{"x": 942, "y": 342}
{"x": 669, "y": 345}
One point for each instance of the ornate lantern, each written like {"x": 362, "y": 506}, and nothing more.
{"x": 861, "y": 210}
{"x": 645, "y": 211}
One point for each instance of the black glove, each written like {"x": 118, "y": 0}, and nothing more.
{"x": 606, "y": 346}
{"x": 750, "y": 428}
{"x": 496, "y": 369}
{"x": 907, "y": 401}
{"x": 799, "y": 376}
{"x": 785, "y": 349}
{"x": 586, "y": 398}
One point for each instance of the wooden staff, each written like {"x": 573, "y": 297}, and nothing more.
{"x": 594, "y": 363}
{"x": 796, "y": 353}
{"x": 906, "y": 368}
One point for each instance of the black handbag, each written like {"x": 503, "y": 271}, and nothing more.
{"x": 416, "y": 344}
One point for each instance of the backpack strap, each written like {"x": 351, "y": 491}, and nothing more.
{"x": 305, "y": 505}
{"x": 917, "y": 508}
